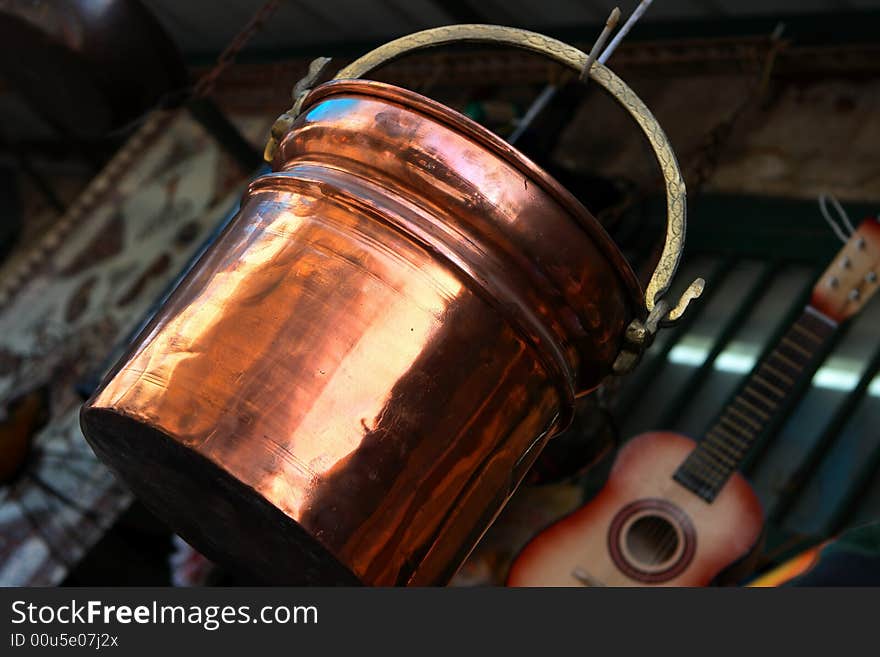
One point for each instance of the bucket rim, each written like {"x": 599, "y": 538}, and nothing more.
{"x": 496, "y": 145}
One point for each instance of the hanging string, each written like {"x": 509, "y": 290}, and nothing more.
{"x": 842, "y": 227}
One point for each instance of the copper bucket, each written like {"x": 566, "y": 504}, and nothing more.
{"x": 355, "y": 377}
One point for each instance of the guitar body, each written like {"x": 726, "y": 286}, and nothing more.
{"x": 678, "y": 513}
{"x": 644, "y": 528}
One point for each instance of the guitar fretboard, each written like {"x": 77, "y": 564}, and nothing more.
{"x": 768, "y": 389}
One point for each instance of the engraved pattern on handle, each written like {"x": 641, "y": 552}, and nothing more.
{"x": 575, "y": 59}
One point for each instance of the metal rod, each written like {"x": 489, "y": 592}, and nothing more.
{"x": 550, "y": 90}
{"x": 535, "y": 108}
{"x": 610, "y": 24}
{"x": 623, "y": 31}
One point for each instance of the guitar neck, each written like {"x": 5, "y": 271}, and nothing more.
{"x": 767, "y": 391}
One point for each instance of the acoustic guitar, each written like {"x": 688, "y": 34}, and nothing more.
{"x": 676, "y": 512}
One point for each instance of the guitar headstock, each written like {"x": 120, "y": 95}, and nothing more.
{"x": 853, "y": 276}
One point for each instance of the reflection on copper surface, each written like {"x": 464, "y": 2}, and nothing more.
{"x": 358, "y": 373}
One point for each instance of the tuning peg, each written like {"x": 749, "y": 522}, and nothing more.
{"x": 871, "y": 277}
{"x": 854, "y": 295}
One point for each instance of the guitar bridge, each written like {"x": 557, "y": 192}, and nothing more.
{"x": 585, "y": 578}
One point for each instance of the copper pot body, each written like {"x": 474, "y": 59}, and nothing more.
{"x": 355, "y": 377}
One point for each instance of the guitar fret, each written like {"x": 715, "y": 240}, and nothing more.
{"x": 771, "y": 405}
{"x": 779, "y": 375}
{"x": 745, "y": 418}
{"x": 729, "y": 436}
{"x": 716, "y": 474}
{"x": 703, "y": 473}
{"x": 696, "y": 484}
{"x": 806, "y": 332}
{"x": 754, "y": 409}
{"x": 726, "y": 460}
{"x": 820, "y": 319}
{"x": 727, "y": 453}
{"x": 787, "y": 361}
{"x": 716, "y": 452}
{"x": 694, "y": 470}
{"x": 765, "y": 383}
{"x": 798, "y": 348}
{"x": 743, "y": 432}
{"x": 734, "y": 431}
{"x": 711, "y": 471}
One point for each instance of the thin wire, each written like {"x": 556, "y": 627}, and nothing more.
{"x": 622, "y": 32}
{"x": 535, "y": 108}
{"x": 843, "y": 214}
{"x": 550, "y": 90}
{"x": 842, "y": 235}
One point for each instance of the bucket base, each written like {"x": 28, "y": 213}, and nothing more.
{"x": 178, "y": 484}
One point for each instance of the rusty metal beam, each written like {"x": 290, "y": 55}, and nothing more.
{"x": 267, "y": 84}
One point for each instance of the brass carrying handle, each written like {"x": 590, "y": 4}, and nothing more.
{"x": 574, "y": 59}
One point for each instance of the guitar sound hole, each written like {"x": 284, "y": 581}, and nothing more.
{"x": 652, "y": 540}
